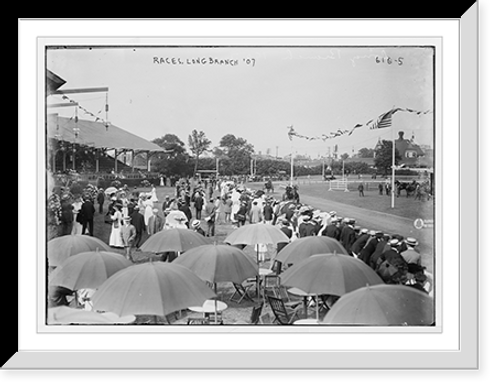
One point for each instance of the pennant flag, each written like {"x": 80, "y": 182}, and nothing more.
{"x": 383, "y": 121}
{"x": 355, "y": 127}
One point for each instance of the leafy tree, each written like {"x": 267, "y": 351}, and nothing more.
{"x": 366, "y": 152}
{"x": 177, "y": 162}
{"x": 344, "y": 156}
{"x": 383, "y": 157}
{"x": 235, "y": 154}
{"x": 271, "y": 167}
{"x": 172, "y": 144}
{"x": 198, "y": 143}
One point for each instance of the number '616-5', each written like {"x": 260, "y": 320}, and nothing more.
{"x": 389, "y": 60}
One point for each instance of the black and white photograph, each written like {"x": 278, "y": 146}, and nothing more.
{"x": 234, "y": 186}
{"x": 254, "y": 201}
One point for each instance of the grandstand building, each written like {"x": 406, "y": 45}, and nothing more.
{"x": 89, "y": 146}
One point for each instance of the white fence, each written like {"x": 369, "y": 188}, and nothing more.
{"x": 338, "y": 184}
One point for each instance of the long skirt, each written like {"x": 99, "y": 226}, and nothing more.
{"x": 115, "y": 239}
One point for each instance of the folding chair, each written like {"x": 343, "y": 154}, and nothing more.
{"x": 266, "y": 319}
{"x": 272, "y": 284}
{"x": 241, "y": 291}
{"x": 280, "y": 310}
{"x": 255, "y": 315}
{"x": 256, "y": 311}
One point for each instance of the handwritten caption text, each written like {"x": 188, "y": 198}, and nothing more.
{"x": 204, "y": 61}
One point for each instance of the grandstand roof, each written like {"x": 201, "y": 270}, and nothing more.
{"x": 95, "y": 134}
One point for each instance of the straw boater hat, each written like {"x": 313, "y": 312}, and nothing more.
{"x": 127, "y": 218}
{"x": 394, "y": 242}
{"x": 411, "y": 242}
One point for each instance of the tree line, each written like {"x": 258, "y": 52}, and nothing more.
{"x": 233, "y": 156}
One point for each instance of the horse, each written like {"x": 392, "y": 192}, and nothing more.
{"x": 291, "y": 193}
{"x": 409, "y": 187}
{"x": 269, "y": 186}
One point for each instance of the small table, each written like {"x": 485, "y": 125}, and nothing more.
{"x": 208, "y": 307}
{"x": 300, "y": 292}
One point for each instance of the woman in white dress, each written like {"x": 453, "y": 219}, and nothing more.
{"x": 154, "y": 198}
{"x": 77, "y": 227}
{"x": 115, "y": 239}
{"x": 148, "y": 209}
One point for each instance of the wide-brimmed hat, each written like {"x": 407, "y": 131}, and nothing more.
{"x": 127, "y": 218}
{"x": 196, "y": 223}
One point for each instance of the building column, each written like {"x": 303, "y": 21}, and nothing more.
{"x": 97, "y": 155}
{"x": 64, "y": 160}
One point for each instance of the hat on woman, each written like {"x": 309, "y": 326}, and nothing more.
{"x": 196, "y": 223}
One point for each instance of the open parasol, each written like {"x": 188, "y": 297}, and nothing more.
{"x": 259, "y": 233}
{"x": 110, "y": 190}
{"x": 151, "y": 288}
{"x": 329, "y": 274}
{"x": 219, "y": 263}
{"x": 88, "y": 269}
{"x": 383, "y": 305}
{"x": 304, "y": 247}
{"x": 61, "y": 248}
{"x": 174, "y": 239}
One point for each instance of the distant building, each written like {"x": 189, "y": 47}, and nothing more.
{"x": 412, "y": 154}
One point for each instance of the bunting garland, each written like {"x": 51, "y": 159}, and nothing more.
{"x": 382, "y": 121}
{"x": 105, "y": 122}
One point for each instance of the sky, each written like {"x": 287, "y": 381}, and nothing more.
{"x": 253, "y": 92}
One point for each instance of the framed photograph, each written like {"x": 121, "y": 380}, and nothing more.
{"x": 187, "y": 180}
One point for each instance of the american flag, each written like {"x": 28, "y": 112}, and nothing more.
{"x": 383, "y": 121}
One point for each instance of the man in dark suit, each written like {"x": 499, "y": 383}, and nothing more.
{"x": 360, "y": 242}
{"x": 367, "y": 251}
{"x": 348, "y": 235}
{"x": 392, "y": 268}
{"x": 285, "y": 228}
{"x": 100, "y": 200}
{"x": 88, "y": 211}
{"x": 184, "y": 207}
{"x": 332, "y": 230}
{"x": 137, "y": 220}
{"x": 307, "y": 227}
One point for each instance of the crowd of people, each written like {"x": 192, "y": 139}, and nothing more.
{"x": 134, "y": 215}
